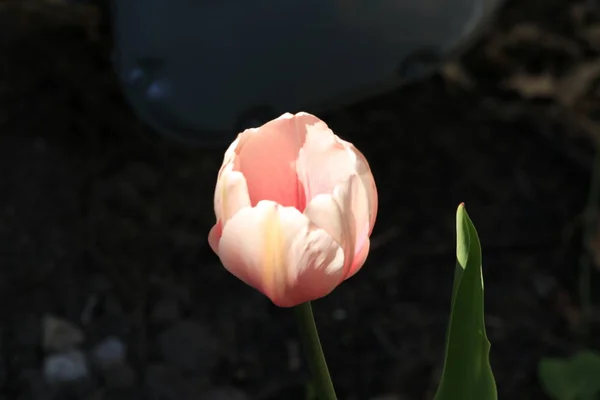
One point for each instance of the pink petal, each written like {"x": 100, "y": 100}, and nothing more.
{"x": 362, "y": 206}
{"x": 368, "y": 188}
{"x": 230, "y": 155}
{"x": 266, "y": 156}
{"x": 231, "y": 194}
{"x": 359, "y": 258}
{"x": 231, "y": 151}
{"x": 324, "y": 161}
{"x": 275, "y": 250}
{"x": 333, "y": 213}
{"x": 326, "y": 164}
{"x": 214, "y": 236}
{"x": 326, "y": 213}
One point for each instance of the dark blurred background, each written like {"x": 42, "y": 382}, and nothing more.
{"x": 110, "y": 291}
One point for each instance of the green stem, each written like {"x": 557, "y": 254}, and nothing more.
{"x": 314, "y": 353}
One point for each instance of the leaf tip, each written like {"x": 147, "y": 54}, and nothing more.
{"x": 461, "y": 208}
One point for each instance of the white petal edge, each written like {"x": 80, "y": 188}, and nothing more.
{"x": 231, "y": 194}
{"x": 333, "y": 213}
{"x": 276, "y": 250}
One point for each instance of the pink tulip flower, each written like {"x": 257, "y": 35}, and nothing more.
{"x": 295, "y": 207}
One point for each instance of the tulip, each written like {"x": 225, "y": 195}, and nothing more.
{"x": 295, "y": 206}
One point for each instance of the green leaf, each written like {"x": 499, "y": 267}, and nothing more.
{"x": 575, "y": 378}
{"x": 467, "y": 374}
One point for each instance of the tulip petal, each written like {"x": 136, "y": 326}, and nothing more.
{"x": 369, "y": 190}
{"x": 230, "y": 155}
{"x": 359, "y": 259}
{"x": 362, "y": 206}
{"x": 342, "y": 221}
{"x": 323, "y": 161}
{"x": 327, "y": 212}
{"x": 214, "y": 236}
{"x": 276, "y": 250}
{"x": 267, "y": 158}
{"x": 327, "y": 163}
{"x": 319, "y": 262}
{"x": 364, "y": 209}
{"x": 231, "y": 194}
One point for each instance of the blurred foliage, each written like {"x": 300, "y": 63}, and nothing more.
{"x": 575, "y": 378}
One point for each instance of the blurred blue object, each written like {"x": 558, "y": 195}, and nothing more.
{"x": 202, "y": 70}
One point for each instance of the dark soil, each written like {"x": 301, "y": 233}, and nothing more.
{"x": 101, "y": 220}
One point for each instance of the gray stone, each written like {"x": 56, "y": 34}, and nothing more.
{"x": 60, "y": 335}
{"x": 110, "y": 352}
{"x": 65, "y": 367}
{"x": 189, "y": 346}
